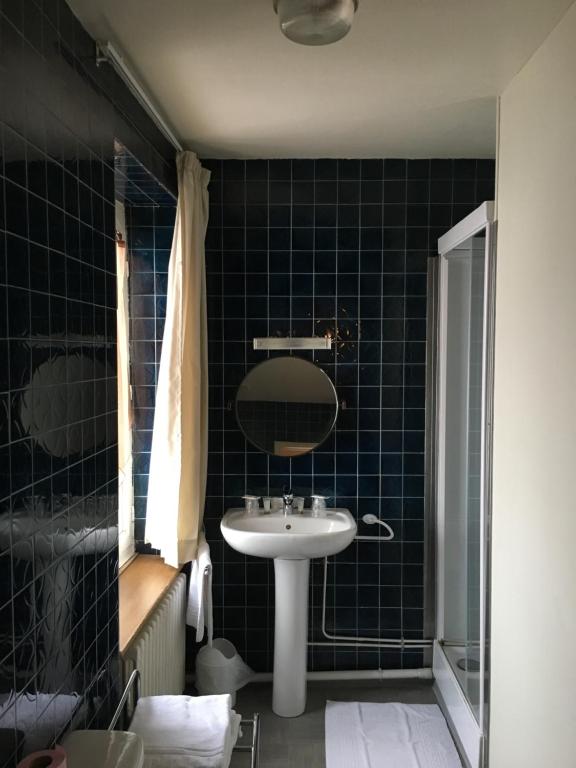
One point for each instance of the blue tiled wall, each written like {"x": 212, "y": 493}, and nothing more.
{"x": 303, "y": 247}
{"x": 59, "y": 116}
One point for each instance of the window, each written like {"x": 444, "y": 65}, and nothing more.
{"x": 125, "y": 482}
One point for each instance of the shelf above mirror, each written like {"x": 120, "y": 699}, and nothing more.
{"x": 293, "y": 342}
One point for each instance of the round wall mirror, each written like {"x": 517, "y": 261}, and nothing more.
{"x": 286, "y": 406}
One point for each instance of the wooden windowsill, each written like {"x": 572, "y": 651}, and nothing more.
{"x": 142, "y": 584}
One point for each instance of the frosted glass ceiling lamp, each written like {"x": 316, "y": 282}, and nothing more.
{"x": 315, "y": 22}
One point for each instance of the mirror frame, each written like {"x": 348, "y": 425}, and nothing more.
{"x": 328, "y": 379}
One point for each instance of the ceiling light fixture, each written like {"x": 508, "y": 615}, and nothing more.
{"x": 315, "y": 22}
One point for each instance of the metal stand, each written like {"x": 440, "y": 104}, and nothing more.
{"x": 134, "y": 683}
{"x": 254, "y": 746}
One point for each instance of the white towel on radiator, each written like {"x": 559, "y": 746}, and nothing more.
{"x": 199, "y": 611}
{"x": 186, "y": 731}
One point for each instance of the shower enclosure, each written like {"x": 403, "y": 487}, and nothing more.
{"x": 463, "y": 459}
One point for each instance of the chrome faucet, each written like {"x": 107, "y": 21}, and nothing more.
{"x": 288, "y": 498}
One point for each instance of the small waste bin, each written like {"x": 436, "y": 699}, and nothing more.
{"x": 221, "y": 669}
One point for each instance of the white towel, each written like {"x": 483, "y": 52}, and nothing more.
{"x": 199, "y": 612}
{"x": 186, "y": 731}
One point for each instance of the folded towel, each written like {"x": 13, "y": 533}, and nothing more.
{"x": 199, "y": 610}
{"x": 186, "y": 731}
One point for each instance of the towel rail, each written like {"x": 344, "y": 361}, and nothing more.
{"x": 134, "y": 683}
{"x": 133, "y": 680}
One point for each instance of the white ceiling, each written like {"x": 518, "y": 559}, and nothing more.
{"x": 414, "y": 78}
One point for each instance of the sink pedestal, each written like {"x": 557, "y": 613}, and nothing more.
{"x": 290, "y": 636}
{"x": 291, "y": 541}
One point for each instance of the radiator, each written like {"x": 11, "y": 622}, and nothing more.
{"x": 158, "y": 651}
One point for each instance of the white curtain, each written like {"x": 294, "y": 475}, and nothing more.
{"x": 177, "y": 484}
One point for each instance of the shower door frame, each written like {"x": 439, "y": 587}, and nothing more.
{"x": 469, "y": 732}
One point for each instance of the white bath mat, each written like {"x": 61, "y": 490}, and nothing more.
{"x": 367, "y": 735}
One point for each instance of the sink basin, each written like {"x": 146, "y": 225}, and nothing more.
{"x": 291, "y": 537}
{"x": 291, "y": 540}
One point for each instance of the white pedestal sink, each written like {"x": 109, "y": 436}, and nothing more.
{"x": 53, "y": 543}
{"x": 291, "y": 540}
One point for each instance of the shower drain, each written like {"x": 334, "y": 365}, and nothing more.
{"x": 468, "y": 665}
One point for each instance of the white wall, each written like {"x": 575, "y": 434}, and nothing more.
{"x": 533, "y": 716}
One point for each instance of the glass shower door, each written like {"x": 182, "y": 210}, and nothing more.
{"x": 463, "y": 472}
